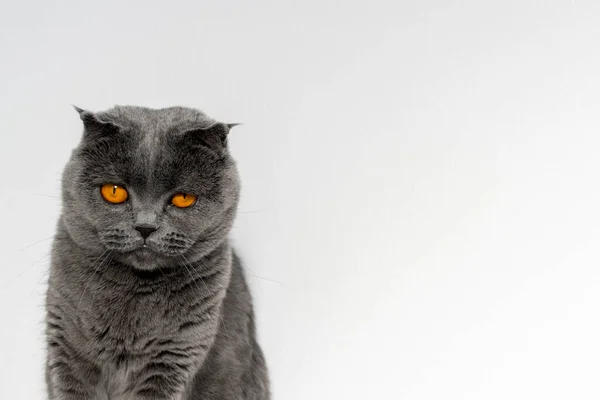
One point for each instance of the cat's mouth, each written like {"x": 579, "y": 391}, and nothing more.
{"x": 149, "y": 256}
{"x": 145, "y": 251}
{"x": 144, "y": 257}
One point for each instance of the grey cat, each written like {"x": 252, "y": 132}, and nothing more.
{"x": 146, "y": 298}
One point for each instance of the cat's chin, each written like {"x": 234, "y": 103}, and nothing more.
{"x": 144, "y": 259}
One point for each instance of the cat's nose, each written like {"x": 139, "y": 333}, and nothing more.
{"x": 145, "y": 230}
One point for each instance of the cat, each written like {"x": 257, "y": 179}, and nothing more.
{"x": 146, "y": 298}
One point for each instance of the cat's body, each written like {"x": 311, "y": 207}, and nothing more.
{"x": 164, "y": 315}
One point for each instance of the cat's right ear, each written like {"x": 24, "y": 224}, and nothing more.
{"x": 93, "y": 126}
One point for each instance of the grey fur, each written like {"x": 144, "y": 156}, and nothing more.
{"x": 172, "y": 320}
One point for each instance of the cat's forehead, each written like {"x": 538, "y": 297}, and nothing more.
{"x": 151, "y": 129}
{"x": 157, "y": 121}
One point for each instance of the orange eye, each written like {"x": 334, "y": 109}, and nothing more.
{"x": 114, "y": 193}
{"x": 183, "y": 200}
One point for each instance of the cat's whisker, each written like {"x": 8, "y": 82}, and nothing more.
{"x": 252, "y": 211}
{"x": 109, "y": 256}
{"x": 266, "y": 279}
{"x": 23, "y": 272}
{"x": 92, "y": 277}
{"x": 39, "y": 282}
{"x": 47, "y": 195}
{"x": 38, "y": 242}
{"x": 207, "y": 291}
{"x": 253, "y": 275}
{"x": 162, "y": 271}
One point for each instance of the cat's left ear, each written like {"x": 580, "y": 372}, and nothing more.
{"x": 213, "y": 137}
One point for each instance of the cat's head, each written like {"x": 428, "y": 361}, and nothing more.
{"x": 153, "y": 187}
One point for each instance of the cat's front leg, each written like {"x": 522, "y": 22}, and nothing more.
{"x": 63, "y": 383}
{"x": 160, "y": 391}
{"x": 162, "y": 381}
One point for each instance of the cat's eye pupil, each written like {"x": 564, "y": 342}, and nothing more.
{"x": 183, "y": 200}
{"x": 114, "y": 194}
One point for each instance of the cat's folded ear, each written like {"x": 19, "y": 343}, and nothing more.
{"x": 213, "y": 137}
{"x": 93, "y": 125}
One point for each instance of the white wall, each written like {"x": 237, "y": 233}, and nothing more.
{"x": 421, "y": 193}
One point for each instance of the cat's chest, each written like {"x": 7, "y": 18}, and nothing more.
{"x": 129, "y": 323}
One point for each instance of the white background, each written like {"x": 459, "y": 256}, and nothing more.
{"x": 421, "y": 202}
